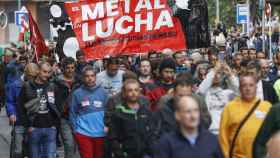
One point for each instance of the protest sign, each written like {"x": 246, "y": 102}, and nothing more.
{"x": 117, "y": 27}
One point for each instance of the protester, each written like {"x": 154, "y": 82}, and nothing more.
{"x": 237, "y": 59}
{"x": 37, "y": 103}
{"x": 81, "y": 63}
{"x": 245, "y": 53}
{"x": 201, "y": 72}
{"x": 131, "y": 130}
{"x": 266, "y": 75}
{"x": 265, "y": 90}
{"x": 145, "y": 72}
{"x": 216, "y": 96}
{"x": 65, "y": 84}
{"x": 86, "y": 114}
{"x": 252, "y": 54}
{"x": 14, "y": 69}
{"x": 261, "y": 55}
{"x": 111, "y": 78}
{"x": 190, "y": 139}
{"x": 117, "y": 99}
{"x": 233, "y": 134}
{"x": 140, "y": 94}
{"x": 163, "y": 84}
{"x": 165, "y": 116}
{"x": 12, "y": 108}
{"x": 180, "y": 58}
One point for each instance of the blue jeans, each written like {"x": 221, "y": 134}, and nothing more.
{"x": 42, "y": 143}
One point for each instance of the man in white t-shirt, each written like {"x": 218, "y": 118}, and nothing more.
{"x": 111, "y": 78}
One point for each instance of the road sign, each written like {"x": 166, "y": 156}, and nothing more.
{"x": 242, "y": 13}
{"x": 19, "y": 15}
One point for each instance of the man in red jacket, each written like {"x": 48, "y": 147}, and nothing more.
{"x": 164, "y": 83}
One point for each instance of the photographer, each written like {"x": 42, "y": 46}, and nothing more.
{"x": 216, "y": 96}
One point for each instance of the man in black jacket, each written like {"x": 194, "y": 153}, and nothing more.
{"x": 265, "y": 90}
{"x": 37, "y": 105}
{"x": 131, "y": 128}
{"x": 165, "y": 116}
{"x": 190, "y": 140}
{"x": 64, "y": 86}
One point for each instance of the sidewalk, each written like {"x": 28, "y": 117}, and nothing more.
{"x": 5, "y": 135}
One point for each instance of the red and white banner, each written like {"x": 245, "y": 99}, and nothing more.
{"x": 118, "y": 27}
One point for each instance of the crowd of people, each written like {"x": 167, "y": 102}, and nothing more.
{"x": 204, "y": 104}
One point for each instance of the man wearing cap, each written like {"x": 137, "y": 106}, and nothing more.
{"x": 165, "y": 115}
{"x": 164, "y": 83}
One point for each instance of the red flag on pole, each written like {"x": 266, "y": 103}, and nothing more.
{"x": 36, "y": 38}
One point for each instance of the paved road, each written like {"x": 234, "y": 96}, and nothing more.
{"x": 5, "y": 136}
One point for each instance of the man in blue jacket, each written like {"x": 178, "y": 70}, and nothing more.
{"x": 30, "y": 72}
{"x": 86, "y": 114}
{"x": 190, "y": 140}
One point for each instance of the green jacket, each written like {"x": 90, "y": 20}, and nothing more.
{"x": 270, "y": 126}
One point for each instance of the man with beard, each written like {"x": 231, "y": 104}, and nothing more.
{"x": 131, "y": 129}
{"x": 145, "y": 70}
{"x": 164, "y": 83}
{"x": 111, "y": 78}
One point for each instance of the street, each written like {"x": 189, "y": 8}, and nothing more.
{"x": 5, "y": 136}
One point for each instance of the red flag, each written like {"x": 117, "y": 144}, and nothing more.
{"x": 36, "y": 38}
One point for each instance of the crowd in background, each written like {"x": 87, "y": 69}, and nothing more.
{"x": 215, "y": 102}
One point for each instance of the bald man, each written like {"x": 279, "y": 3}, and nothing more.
{"x": 189, "y": 136}
{"x": 37, "y": 107}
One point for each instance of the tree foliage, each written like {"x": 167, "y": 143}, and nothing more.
{"x": 228, "y": 11}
